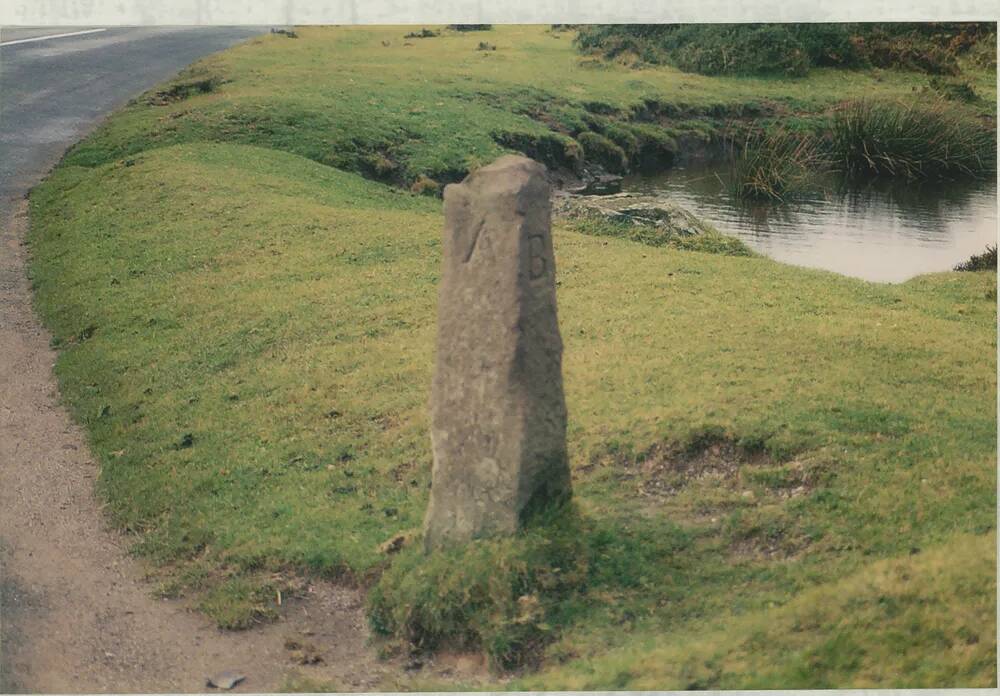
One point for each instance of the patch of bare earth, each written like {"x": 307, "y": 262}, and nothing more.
{"x": 666, "y": 471}
{"x": 703, "y": 484}
{"x": 76, "y": 612}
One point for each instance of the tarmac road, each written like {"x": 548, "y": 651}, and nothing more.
{"x": 54, "y": 90}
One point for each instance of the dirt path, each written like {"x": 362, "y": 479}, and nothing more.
{"x": 78, "y": 616}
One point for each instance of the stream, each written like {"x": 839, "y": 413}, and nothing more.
{"x": 880, "y": 231}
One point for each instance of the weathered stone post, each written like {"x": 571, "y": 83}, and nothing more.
{"x": 498, "y": 414}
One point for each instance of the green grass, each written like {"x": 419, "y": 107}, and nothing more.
{"x": 246, "y": 333}
{"x": 366, "y": 99}
{"x": 860, "y": 631}
{"x": 708, "y": 239}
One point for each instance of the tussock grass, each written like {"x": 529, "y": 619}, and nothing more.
{"x": 867, "y": 138}
{"x": 774, "y": 165}
{"x": 910, "y": 140}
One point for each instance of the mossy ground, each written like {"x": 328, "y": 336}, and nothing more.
{"x": 783, "y": 477}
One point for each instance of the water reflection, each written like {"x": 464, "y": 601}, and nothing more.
{"x": 882, "y": 230}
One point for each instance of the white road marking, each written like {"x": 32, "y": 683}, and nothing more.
{"x": 51, "y": 36}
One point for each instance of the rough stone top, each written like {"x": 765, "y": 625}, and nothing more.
{"x": 510, "y": 172}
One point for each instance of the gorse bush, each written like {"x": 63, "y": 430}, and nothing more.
{"x": 613, "y": 40}
{"x": 708, "y": 49}
{"x": 738, "y": 50}
{"x": 986, "y": 261}
{"x": 886, "y": 49}
{"x": 829, "y": 45}
{"x": 914, "y": 141}
{"x": 790, "y": 49}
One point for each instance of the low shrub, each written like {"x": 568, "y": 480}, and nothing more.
{"x": 915, "y": 141}
{"x": 635, "y": 41}
{"x": 422, "y": 34}
{"x": 986, "y": 261}
{"x": 829, "y": 45}
{"x": 733, "y": 49}
{"x": 425, "y": 186}
{"x": 984, "y": 53}
{"x": 886, "y": 49}
{"x": 470, "y": 27}
{"x": 790, "y": 49}
{"x": 710, "y": 49}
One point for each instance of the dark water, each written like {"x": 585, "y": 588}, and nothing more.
{"x": 886, "y": 232}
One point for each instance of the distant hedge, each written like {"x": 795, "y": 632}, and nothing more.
{"x": 789, "y": 49}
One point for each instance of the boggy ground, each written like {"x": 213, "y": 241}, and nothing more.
{"x": 772, "y": 465}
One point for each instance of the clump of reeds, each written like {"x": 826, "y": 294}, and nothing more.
{"x": 774, "y": 165}
{"x": 913, "y": 141}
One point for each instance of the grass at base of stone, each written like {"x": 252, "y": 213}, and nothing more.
{"x": 512, "y": 597}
